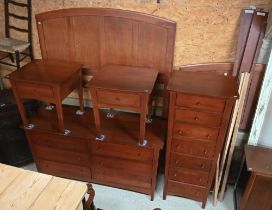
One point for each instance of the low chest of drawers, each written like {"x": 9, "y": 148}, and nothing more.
{"x": 118, "y": 161}
{"x": 199, "y": 113}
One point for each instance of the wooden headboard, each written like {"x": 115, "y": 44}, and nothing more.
{"x": 98, "y": 36}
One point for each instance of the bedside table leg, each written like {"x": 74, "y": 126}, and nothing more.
{"x": 60, "y": 115}
{"x": 19, "y": 104}
{"x": 99, "y": 135}
{"x": 80, "y": 94}
{"x": 143, "y": 113}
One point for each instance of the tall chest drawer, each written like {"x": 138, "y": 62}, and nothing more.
{"x": 181, "y": 130}
{"x": 197, "y": 117}
{"x": 198, "y": 149}
{"x": 200, "y": 102}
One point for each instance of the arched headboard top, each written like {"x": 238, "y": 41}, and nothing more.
{"x": 132, "y": 15}
{"x": 99, "y": 36}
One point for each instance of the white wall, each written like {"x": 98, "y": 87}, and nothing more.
{"x": 266, "y": 132}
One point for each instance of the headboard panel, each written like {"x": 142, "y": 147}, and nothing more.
{"x": 97, "y": 36}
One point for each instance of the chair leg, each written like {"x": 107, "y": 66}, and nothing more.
{"x": 17, "y": 57}
{"x": 11, "y": 57}
{"x": 30, "y": 52}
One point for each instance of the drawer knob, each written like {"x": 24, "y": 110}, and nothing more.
{"x": 176, "y": 161}
{"x": 200, "y": 179}
{"x": 175, "y": 174}
{"x": 202, "y": 166}
{"x": 205, "y": 152}
{"x": 197, "y": 103}
{"x": 178, "y": 146}
{"x": 196, "y": 118}
{"x": 180, "y": 132}
{"x": 208, "y": 136}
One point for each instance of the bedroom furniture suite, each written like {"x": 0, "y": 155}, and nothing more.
{"x": 199, "y": 113}
{"x": 130, "y": 56}
{"x": 23, "y": 189}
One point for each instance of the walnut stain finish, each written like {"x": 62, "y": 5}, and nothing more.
{"x": 123, "y": 87}
{"x": 199, "y": 113}
{"x": 118, "y": 161}
{"x": 48, "y": 81}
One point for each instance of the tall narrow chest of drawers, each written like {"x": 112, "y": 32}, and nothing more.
{"x": 199, "y": 113}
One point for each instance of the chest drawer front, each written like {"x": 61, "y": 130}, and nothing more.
{"x": 190, "y": 162}
{"x": 34, "y": 90}
{"x": 204, "y": 118}
{"x": 200, "y": 102}
{"x": 65, "y": 170}
{"x": 123, "y": 172}
{"x": 63, "y": 156}
{"x": 188, "y": 176}
{"x": 198, "y": 149}
{"x": 194, "y": 131}
{"x": 122, "y": 151}
{"x": 186, "y": 190}
{"x": 118, "y": 98}
{"x": 59, "y": 142}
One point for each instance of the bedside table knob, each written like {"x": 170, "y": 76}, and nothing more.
{"x": 196, "y": 118}
{"x": 208, "y": 136}
{"x": 205, "y": 152}
{"x": 202, "y": 166}
{"x": 175, "y": 174}
{"x": 176, "y": 161}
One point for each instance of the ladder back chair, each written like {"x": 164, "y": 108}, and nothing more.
{"x": 11, "y": 47}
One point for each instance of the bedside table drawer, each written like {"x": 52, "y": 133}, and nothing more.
{"x": 196, "y": 117}
{"x": 189, "y": 162}
{"x": 199, "y": 102}
{"x": 198, "y": 149}
{"x": 188, "y": 176}
{"x": 194, "y": 131}
{"x": 34, "y": 91}
{"x": 118, "y": 98}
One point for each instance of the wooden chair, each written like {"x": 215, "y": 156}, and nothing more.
{"x": 11, "y": 46}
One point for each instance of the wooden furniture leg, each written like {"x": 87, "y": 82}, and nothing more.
{"x": 20, "y": 106}
{"x": 143, "y": 113}
{"x": 80, "y": 95}
{"x": 59, "y": 112}
{"x": 97, "y": 122}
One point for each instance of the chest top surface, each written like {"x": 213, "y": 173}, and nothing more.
{"x": 259, "y": 159}
{"x": 203, "y": 84}
{"x": 125, "y": 78}
{"x": 46, "y": 72}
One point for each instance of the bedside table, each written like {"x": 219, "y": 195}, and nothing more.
{"x": 49, "y": 81}
{"x": 123, "y": 87}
